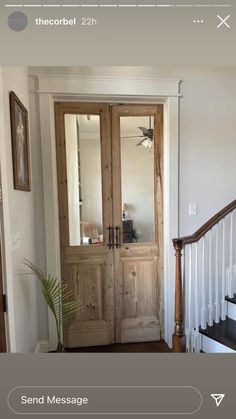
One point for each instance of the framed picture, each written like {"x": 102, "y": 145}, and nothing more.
{"x": 20, "y": 144}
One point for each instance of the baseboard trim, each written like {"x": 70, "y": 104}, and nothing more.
{"x": 42, "y": 347}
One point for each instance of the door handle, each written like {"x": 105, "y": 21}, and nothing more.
{"x": 110, "y": 237}
{"x": 117, "y": 237}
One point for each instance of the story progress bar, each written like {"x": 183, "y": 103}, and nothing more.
{"x": 116, "y": 5}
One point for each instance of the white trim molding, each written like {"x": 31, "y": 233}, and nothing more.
{"x": 109, "y": 86}
{"x": 112, "y": 90}
{"x": 42, "y": 347}
{"x": 211, "y": 346}
{"x": 6, "y": 234}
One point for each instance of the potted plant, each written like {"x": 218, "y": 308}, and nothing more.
{"x": 59, "y": 300}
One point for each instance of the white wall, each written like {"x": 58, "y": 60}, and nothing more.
{"x": 207, "y": 137}
{"x": 207, "y": 144}
{"x": 23, "y": 212}
{"x": 207, "y": 133}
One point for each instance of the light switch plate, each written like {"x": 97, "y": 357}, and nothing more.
{"x": 192, "y": 209}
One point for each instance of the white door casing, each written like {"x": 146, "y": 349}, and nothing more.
{"x": 112, "y": 90}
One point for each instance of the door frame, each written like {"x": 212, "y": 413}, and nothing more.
{"x": 6, "y": 269}
{"x": 112, "y": 90}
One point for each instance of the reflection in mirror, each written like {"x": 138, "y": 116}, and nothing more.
{"x": 137, "y": 178}
{"x": 84, "y": 179}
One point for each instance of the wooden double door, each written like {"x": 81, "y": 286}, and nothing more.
{"x": 109, "y": 168}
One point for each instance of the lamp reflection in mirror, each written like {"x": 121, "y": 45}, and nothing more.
{"x": 124, "y": 211}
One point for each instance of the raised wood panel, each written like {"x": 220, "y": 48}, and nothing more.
{"x": 88, "y": 282}
{"x": 92, "y": 286}
{"x": 140, "y": 289}
{"x": 88, "y": 334}
{"x": 147, "y": 329}
{"x": 84, "y": 254}
{"x": 139, "y": 250}
{"x": 140, "y": 313}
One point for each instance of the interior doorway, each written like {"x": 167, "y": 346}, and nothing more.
{"x": 109, "y": 168}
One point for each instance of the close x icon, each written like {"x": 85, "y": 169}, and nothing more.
{"x": 224, "y": 22}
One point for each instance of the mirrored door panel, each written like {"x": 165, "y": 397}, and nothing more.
{"x": 84, "y": 179}
{"x": 137, "y": 178}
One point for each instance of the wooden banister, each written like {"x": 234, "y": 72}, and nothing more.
{"x": 207, "y": 226}
{"x": 178, "y": 336}
{"x": 179, "y": 243}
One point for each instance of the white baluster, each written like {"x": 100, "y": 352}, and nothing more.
{"x": 233, "y": 258}
{"x": 190, "y": 298}
{"x": 185, "y": 288}
{"x": 210, "y": 305}
{"x": 230, "y": 290}
{"x": 217, "y": 304}
{"x": 196, "y": 302}
{"x": 223, "y": 275}
{"x": 203, "y": 308}
{"x": 196, "y": 338}
{"x": 192, "y": 302}
{"x": 195, "y": 334}
{"x": 187, "y": 336}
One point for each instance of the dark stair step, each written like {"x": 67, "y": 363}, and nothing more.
{"x": 231, "y": 300}
{"x": 223, "y": 332}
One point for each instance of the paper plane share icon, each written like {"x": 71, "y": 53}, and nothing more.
{"x": 218, "y": 398}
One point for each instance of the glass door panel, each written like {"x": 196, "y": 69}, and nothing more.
{"x": 84, "y": 179}
{"x": 137, "y": 178}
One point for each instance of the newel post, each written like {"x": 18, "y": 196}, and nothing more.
{"x": 178, "y": 336}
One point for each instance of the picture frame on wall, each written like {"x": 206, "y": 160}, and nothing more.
{"x": 20, "y": 144}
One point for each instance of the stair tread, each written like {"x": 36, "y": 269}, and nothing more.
{"x": 223, "y": 332}
{"x": 231, "y": 300}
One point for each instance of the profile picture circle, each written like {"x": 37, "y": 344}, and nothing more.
{"x": 17, "y": 21}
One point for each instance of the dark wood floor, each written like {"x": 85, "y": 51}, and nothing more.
{"x": 158, "y": 347}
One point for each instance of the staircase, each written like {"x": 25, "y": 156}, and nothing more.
{"x": 205, "y": 287}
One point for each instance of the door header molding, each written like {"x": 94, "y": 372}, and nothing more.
{"x": 109, "y": 87}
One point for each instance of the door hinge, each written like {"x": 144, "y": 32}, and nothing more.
{"x": 5, "y": 303}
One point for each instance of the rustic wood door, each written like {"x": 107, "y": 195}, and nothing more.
{"x": 85, "y": 211}
{"x": 137, "y": 216}
{"x": 2, "y": 319}
{"x": 110, "y": 209}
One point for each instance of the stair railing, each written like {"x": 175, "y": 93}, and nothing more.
{"x": 205, "y": 273}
